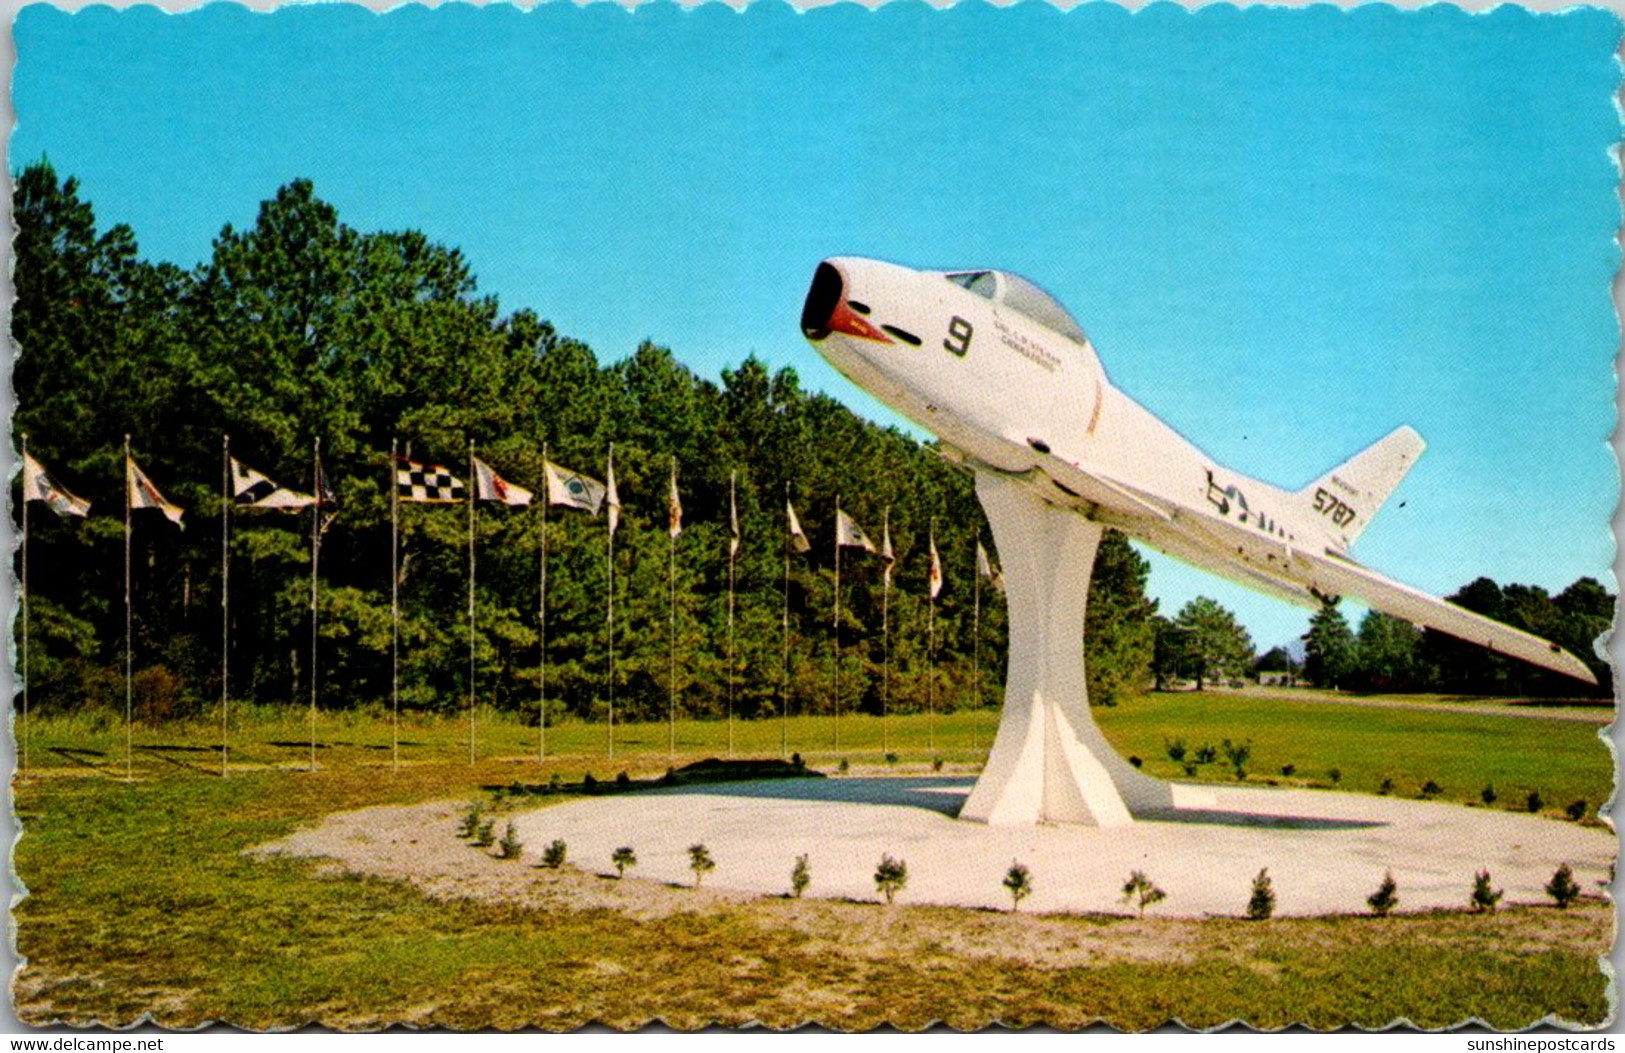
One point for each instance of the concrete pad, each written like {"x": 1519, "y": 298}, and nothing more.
{"x": 1325, "y": 851}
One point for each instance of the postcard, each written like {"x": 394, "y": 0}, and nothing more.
{"x": 843, "y": 518}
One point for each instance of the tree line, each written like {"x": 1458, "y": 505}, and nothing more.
{"x": 300, "y": 328}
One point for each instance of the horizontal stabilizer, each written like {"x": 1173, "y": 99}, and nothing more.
{"x": 1349, "y": 495}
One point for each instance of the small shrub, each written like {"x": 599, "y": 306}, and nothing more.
{"x": 623, "y": 781}
{"x": 553, "y": 855}
{"x": 1383, "y": 900}
{"x": 1019, "y": 880}
{"x": 1430, "y": 790}
{"x": 891, "y": 877}
{"x": 1488, "y": 794}
{"x": 1262, "y": 904}
{"x": 936, "y": 763}
{"x": 555, "y": 783}
{"x": 1140, "y": 892}
{"x": 1534, "y": 801}
{"x": 1563, "y": 888}
{"x": 700, "y": 861}
{"x": 796, "y": 761}
{"x": 509, "y": 847}
{"x": 623, "y": 857}
{"x": 1576, "y": 810}
{"x": 1190, "y": 770}
{"x": 843, "y": 767}
{"x": 589, "y": 784}
{"x": 470, "y": 824}
{"x": 1334, "y": 775}
{"x": 1136, "y": 761}
{"x": 1207, "y": 754}
{"x": 800, "y": 876}
{"x": 517, "y": 789}
{"x": 1386, "y": 788}
{"x": 891, "y": 758}
{"x": 1238, "y": 754}
{"x": 1289, "y": 770}
{"x": 485, "y": 834}
{"x": 1484, "y": 898}
{"x": 1176, "y": 751}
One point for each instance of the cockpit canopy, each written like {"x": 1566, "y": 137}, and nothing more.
{"x": 1021, "y": 296}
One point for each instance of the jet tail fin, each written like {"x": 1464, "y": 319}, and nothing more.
{"x": 1349, "y": 495}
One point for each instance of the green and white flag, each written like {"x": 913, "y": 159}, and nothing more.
{"x": 849, "y": 535}
{"x": 573, "y": 490}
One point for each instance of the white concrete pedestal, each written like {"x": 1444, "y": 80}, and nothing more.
{"x": 1050, "y": 763}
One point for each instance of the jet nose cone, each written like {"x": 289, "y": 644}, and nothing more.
{"x": 828, "y": 310}
{"x": 823, "y": 297}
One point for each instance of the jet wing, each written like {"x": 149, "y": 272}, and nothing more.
{"x": 1096, "y": 489}
{"x": 1335, "y": 575}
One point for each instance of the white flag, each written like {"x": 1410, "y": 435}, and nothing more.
{"x": 886, "y": 555}
{"x": 674, "y": 506}
{"x": 733, "y": 517}
{"x": 489, "y": 486}
{"x": 798, "y": 539}
{"x": 613, "y": 498}
{"x": 144, "y": 495}
{"x": 936, "y": 570}
{"x": 39, "y": 486}
{"x": 849, "y": 535}
{"x": 251, "y": 489}
{"x": 573, "y": 489}
{"x": 985, "y": 568}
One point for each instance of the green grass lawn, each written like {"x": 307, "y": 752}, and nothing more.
{"x": 1461, "y": 751}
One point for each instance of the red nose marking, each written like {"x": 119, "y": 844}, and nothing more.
{"x": 845, "y": 320}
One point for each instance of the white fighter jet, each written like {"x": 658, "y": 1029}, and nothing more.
{"x": 1003, "y": 375}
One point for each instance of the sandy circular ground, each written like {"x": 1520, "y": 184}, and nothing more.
{"x": 1325, "y": 851}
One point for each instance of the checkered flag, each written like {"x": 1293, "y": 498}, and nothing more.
{"x": 428, "y": 483}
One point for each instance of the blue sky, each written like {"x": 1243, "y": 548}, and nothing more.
{"x": 1286, "y": 232}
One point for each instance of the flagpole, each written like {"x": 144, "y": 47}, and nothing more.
{"x": 541, "y": 619}
{"x": 931, "y": 650}
{"x": 733, "y": 556}
{"x": 225, "y": 597}
{"x": 129, "y": 697}
{"x": 837, "y": 702}
{"x": 610, "y": 605}
{"x": 472, "y": 494}
{"x": 315, "y": 561}
{"x": 395, "y": 603}
{"x": 784, "y": 662}
{"x": 671, "y": 680}
{"x": 24, "y": 599}
{"x": 885, "y": 641}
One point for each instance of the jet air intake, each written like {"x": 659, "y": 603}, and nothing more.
{"x": 823, "y": 298}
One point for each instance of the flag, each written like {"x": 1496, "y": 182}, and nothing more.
{"x": 886, "y": 555}
{"x": 251, "y": 489}
{"x": 849, "y": 535}
{"x": 39, "y": 486}
{"x": 428, "y": 483}
{"x": 144, "y": 495}
{"x": 674, "y": 506}
{"x": 985, "y": 568}
{"x": 733, "y": 518}
{"x": 573, "y": 489}
{"x": 325, "y": 497}
{"x": 798, "y": 539}
{"x": 489, "y": 486}
{"x": 613, "y": 498}
{"x": 936, "y": 570}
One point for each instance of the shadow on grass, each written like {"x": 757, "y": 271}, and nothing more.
{"x": 1222, "y": 817}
